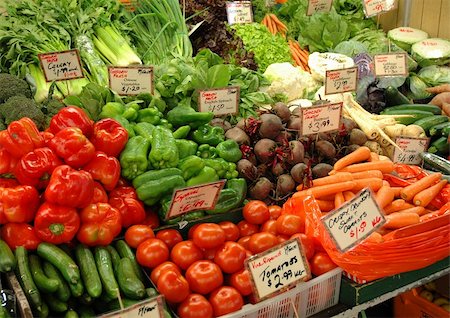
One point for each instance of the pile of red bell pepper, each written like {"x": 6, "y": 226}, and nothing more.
{"x": 64, "y": 182}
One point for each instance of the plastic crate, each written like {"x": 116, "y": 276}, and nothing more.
{"x": 410, "y": 304}
{"x": 308, "y": 299}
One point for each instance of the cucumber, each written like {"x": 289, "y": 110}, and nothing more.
{"x": 446, "y": 131}
{"x": 394, "y": 97}
{"x": 415, "y": 115}
{"x": 436, "y": 162}
{"x": 44, "y": 312}
{"x": 106, "y": 272}
{"x": 55, "y": 304}
{"x": 423, "y": 107}
{"x": 115, "y": 257}
{"x": 44, "y": 284}
{"x": 88, "y": 269}
{"x": 77, "y": 289}
{"x": 24, "y": 273}
{"x": 427, "y": 123}
{"x": 85, "y": 312}
{"x": 63, "y": 291}
{"x": 129, "y": 283}
{"x": 71, "y": 314}
{"x": 63, "y": 262}
{"x": 125, "y": 251}
{"x": 86, "y": 299}
{"x": 7, "y": 259}
{"x": 438, "y": 129}
{"x": 439, "y": 145}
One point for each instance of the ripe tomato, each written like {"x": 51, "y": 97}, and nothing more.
{"x": 259, "y": 242}
{"x": 308, "y": 244}
{"x": 173, "y": 286}
{"x": 191, "y": 230}
{"x": 269, "y": 226}
{"x": 185, "y": 253}
{"x": 204, "y": 276}
{"x": 136, "y": 234}
{"x": 152, "y": 252}
{"x": 151, "y": 219}
{"x": 321, "y": 263}
{"x": 246, "y": 229}
{"x": 210, "y": 253}
{"x": 289, "y": 224}
{"x": 208, "y": 235}
{"x": 243, "y": 241}
{"x": 230, "y": 257}
{"x": 274, "y": 211}
{"x": 282, "y": 238}
{"x": 248, "y": 254}
{"x": 170, "y": 237}
{"x": 195, "y": 306}
{"x": 231, "y": 230}
{"x": 241, "y": 281}
{"x": 256, "y": 212}
{"x": 161, "y": 268}
{"x": 225, "y": 300}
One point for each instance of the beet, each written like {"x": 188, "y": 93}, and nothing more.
{"x": 295, "y": 123}
{"x": 278, "y": 169}
{"x": 246, "y": 169}
{"x": 357, "y": 137}
{"x": 271, "y": 126}
{"x": 297, "y": 152}
{"x": 285, "y": 184}
{"x": 284, "y": 136}
{"x": 298, "y": 172}
{"x": 219, "y": 122}
{"x": 261, "y": 189}
{"x": 281, "y": 110}
{"x": 325, "y": 149}
{"x": 321, "y": 170}
{"x": 238, "y": 135}
{"x": 264, "y": 150}
{"x": 349, "y": 124}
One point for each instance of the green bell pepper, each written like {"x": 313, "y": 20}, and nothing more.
{"x": 164, "y": 151}
{"x": 231, "y": 197}
{"x": 149, "y": 115}
{"x": 229, "y": 150}
{"x": 164, "y": 123}
{"x": 191, "y": 166}
{"x": 185, "y": 115}
{"x": 153, "y": 190}
{"x": 207, "y": 134}
{"x": 194, "y": 215}
{"x": 155, "y": 175}
{"x": 206, "y": 175}
{"x": 144, "y": 129}
{"x": 131, "y": 111}
{"x": 240, "y": 185}
{"x": 206, "y": 151}
{"x": 223, "y": 168}
{"x": 186, "y": 148}
{"x": 112, "y": 109}
{"x": 182, "y": 132}
{"x": 164, "y": 209}
{"x": 133, "y": 158}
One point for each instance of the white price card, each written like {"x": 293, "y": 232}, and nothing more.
{"x": 150, "y": 308}
{"x": 410, "y": 150}
{"x": 317, "y": 6}
{"x": 201, "y": 197}
{"x": 220, "y": 101}
{"x": 317, "y": 119}
{"x": 391, "y": 64}
{"x": 61, "y": 66}
{"x": 131, "y": 80}
{"x": 374, "y": 7}
{"x": 341, "y": 81}
{"x": 239, "y": 12}
{"x": 354, "y": 221}
{"x": 277, "y": 269}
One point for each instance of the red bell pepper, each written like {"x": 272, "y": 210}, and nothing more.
{"x": 99, "y": 194}
{"x": 18, "y": 204}
{"x": 56, "y": 224}
{"x": 70, "y": 187}
{"x": 20, "y": 234}
{"x": 8, "y": 183}
{"x": 109, "y": 136}
{"x": 132, "y": 210}
{"x": 123, "y": 192}
{"x": 100, "y": 224}
{"x": 71, "y": 116}
{"x": 36, "y": 165}
{"x": 104, "y": 169}
{"x": 74, "y": 147}
{"x": 7, "y": 161}
{"x": 21, "y": 137}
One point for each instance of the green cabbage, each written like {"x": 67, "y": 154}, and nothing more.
{"x": 405, "y": 37}
{"x": 431, "y": 52}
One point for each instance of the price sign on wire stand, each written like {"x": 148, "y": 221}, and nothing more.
{"x": 277, "y": 269}
{"x": 341, "y": 81}
{"x": 239, "y": 12}
{"x": 317, "y": 6}
{"x": 131, "y": 80}
{"x": 354, "y": 221}
{"x": 220, "y": 101}
{"x": 392, "y": 64}
{"x": 317, "y": 119}
{"x": 61, "y": 66}
{"x": 150, "y": 308}
{"x": 375, "y": 7}
{"x": 410, "y": 150}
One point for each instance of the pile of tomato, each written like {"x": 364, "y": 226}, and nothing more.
{"x": 204, "y": 276}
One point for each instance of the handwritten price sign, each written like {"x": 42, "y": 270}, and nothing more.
{"x": 374, "y": 7}
{"x": 152, "y": 308}
{"x": 411, "y": 148}
{"x": 392, "y": 64}
{"x": 321, "y": 118}
{"x": 61, "y": 66}
{"x": 354, "y": 221}
{"x": 341, "y": 81}
{"x": 202, "y": 197}
{"x": 220, "y": 101}
{"x": 277, "y": 269}
{"x": 316, "y": 6}
{"x": 131, "y": 80}
{"x": 239, "y": 12}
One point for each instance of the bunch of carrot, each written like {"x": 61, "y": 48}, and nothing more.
{"x": 274, "y": 24}
{"x": 299, "y": 55}
{"x": 402, "y": 206}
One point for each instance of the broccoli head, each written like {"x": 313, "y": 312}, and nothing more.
{"x": 18, "y": 107}
{"x": 50, "y": 108}
{"x": 2, "y": 123}
{"x": 11, "y": 85}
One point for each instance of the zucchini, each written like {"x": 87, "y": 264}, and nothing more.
{"x": 427, "y": 123}
{"x": 436, "y": 162}
{"x": 438, "y": 129}
{"x": 394, "y": 97}
{"x": 24, "y": 274}
{"x": 7, "y": 259}
{"x": 66, "y": 265}
{"x": 423, "y": 107}
{"x": 63, "y": 291}
{"x": 415, "y": 115}
{"x": 129, "y": 283}
{"x": 106, "y": 272}
{"x": 439, "y": 145}
{"x": 44, "y": 284}
{"x": 88, "y": 269}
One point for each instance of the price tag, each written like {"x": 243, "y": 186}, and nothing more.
{"x": 316, "y": 6}
{"x": 277, "y": 269}
{"x": 374, "y": 7}
{"x": 201, "y": 197}
{"x": 392, "y": 64}
{"x": 220, "y": 101}
{"x": 239, "y": 12}
{"x": 131, "y": 80}
{"x": 317, "y": 119}
{"x": 341, "y": 81}
{"x": 61, "y": 66}
{"x": 411, "y": 148}
{"x": 151, "y": 308}
{"x": 354, "y": 221}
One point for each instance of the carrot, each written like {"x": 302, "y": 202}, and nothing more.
{"x": 397, "y": 205}
{"x": 383, "y": 166}
{"x": 396, "y": 191}
{"x": 338, "y": 200}
{"x": 374, "y": 157}
{"x": 423, "y": 226}
{"x": 373, "y": 183}
{"x": 411, "y": 190}
{"x": 322, "y": 191}
{"x": 338, "y": 177}
{"x": 432, "y": 215}
{"x": 367, "y": 174}
{"x": 359, "y": 155}
{"x": 277, "y": 21}
{"x": 296, "y": 59}
{"x": 419, "y": 210}
{"x": 348, "y": 195}
{"x": 401, "y": 219}
{"x": 329, "y": 197}
{"x": 274, "y": 25}
{"x": 384, "y": 196}
{"x": 375, "y": 238}
{"x": 424, "y": 197}
{"x": 325, "y": 206}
